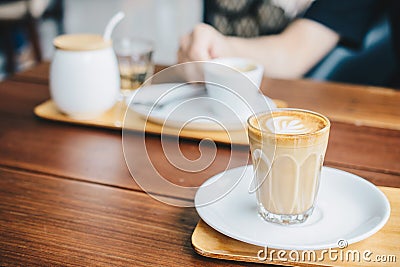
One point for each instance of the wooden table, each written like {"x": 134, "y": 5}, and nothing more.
{"x": 67, "y": 198}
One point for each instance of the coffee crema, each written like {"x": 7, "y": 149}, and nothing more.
{"x": 288, "y": 125}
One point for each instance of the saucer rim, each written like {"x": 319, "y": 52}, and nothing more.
{"x": 197, "y": 125}
{"x": 386, "y": 214}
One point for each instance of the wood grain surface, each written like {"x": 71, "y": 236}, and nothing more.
{"x": 354, "y": 104}
{"x": 73, "y": 151}
{"x": 45, "y": 221}
{"x": 67, "y": 196}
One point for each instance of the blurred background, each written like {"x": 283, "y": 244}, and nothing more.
{"x": 158, "y": 20}
{"x": 27, "y": 28}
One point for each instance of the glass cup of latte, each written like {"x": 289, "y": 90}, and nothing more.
{"x": 287, "y": 148}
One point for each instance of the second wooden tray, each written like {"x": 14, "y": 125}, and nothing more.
{"x": 114, "y": 117}
{"x": 382, "y": 248}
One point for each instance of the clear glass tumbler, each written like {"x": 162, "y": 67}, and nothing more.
{"x": 288, "y": 148}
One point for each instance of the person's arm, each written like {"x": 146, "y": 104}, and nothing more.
{"x": 292, "y": 53}
{"x": 289, "y": 54}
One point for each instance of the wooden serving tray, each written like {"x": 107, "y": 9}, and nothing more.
{"x": 208, "y": 242}
{"x": 113, "y": 118}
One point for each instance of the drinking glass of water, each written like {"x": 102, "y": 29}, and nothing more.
{"x": 134, "y": 62}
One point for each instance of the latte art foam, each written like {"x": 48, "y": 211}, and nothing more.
{"x": 287, "y": 125}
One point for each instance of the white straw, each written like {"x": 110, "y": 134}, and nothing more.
{"x": 111, "y": 25}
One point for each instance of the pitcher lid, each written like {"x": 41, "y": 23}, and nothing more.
{"x": 81, "y": 42}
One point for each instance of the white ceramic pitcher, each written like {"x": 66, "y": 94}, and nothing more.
{"x": 84, "y": 76}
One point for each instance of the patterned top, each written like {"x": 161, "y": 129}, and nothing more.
{"x": 251, "y": 18}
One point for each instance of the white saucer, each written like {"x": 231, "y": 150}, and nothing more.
{"x": 348, "y": 208}
{"x": 187, "y": 106}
